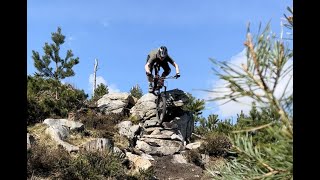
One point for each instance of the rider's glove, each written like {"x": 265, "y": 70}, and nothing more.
{"x": 177, "y": 75}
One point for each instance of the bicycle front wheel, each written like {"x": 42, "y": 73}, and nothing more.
{"x": 161, "y": 108}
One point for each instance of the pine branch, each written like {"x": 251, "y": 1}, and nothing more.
{"x": 266, "y": 175}
{"x": 263, "y": 85}
{"x": 254, "y": 128}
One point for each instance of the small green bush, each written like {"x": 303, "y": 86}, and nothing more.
{"x": 94, "y": 165}
{"x": 194, "y": 156}
{"x": 92, "y": 120}
{"x": 59, "y": 164}
{"x": 43, "y": 162}
{"x": 216, "y": 145}
{"x": 35, "y": 112}
{"x": 41, "y": 101}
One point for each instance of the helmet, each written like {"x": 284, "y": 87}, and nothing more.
{"x": 163, "y": 52}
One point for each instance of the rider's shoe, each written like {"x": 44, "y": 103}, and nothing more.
{"x": 150, "y": 88}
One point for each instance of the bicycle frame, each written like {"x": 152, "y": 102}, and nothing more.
{"x": 161, "y": 99}
{"x": 156, "y": 79}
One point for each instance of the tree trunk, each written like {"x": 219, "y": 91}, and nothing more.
{"x": 56, "y": 78}
{"x": 94, "y": 75}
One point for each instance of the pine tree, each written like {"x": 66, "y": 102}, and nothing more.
{"x": 195, "y": 106}
{"x": 100, "y": 91}
{"x": 267, "y": 63}
{"x": 212, "y": 122}
{"x": 62, "y": 67}
{"x": 136, "y": 91}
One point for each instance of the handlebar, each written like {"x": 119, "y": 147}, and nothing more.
{"x": 169, "y": 77}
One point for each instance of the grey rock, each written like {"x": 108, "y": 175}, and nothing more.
{"x": 72, "y": 125}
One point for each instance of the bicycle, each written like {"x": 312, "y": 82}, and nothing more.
{"x": 161, "y": 105}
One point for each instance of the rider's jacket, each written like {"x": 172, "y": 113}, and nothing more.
{"x": 153, "y": 57}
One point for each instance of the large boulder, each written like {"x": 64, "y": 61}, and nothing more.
{"x": 176, "y": 98}
{"x": 159, "y": 146}
{"x": 185, "y": 125}
{"x": 115, "y": 102}
{"x": 72, "y": 125}
{"x": 179, "y": 158}
{"x": 194, "y": 145}
{"x": 126, "y": 128}
{"x": 139, "y": 162}
{"x": 59, "y": 133}
{"x": 165, "y": 134}
{"x": 151, "y": 123}
{"x": 145, "y": 108}
{"x": 98, "y": 144}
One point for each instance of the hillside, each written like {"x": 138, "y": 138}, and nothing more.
{"x": 127, "y": 128}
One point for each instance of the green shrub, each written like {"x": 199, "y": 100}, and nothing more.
{"x": 92, "y": 120}
{"x": 213, "y": 124}
{"x": 194, "y": 156}
{"x": 43, "y": 162}
{"x": 103, "y": 126}
{"x": 94, "y": 165}
{"x": 35, "y": 112}
{"x": 216, "y": 145}
{"x": 59, "y": 164}
{"x": 134, "y": 119}
{"x": 41, "y": 102}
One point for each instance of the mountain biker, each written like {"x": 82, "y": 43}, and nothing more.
{"x": 160, "y": 55}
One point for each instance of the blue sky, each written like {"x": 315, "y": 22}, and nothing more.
{"x": 120, "y": 33}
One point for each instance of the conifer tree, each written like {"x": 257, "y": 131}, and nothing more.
{"x": 62, "y": 67}
{"x": 136, "y": 91}
{"x": 195, "y": 106}
{"x": 268, "y": 62}
{"x": 100, "y": 91}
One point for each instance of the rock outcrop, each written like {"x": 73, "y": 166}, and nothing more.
{"x": 148, "y": 137}
{"x": 116, "y": 102}
{"x": 166, "y": 138}
{"x": 59, "y": 130}
{"x": 98, "y": 144}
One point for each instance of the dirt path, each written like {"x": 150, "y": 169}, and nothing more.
{"x": 166, "y": 170}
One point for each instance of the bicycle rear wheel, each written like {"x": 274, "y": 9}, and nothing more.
{"x": 161, "y": 108}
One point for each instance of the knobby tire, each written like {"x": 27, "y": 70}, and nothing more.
{"x": 161, "y": 108}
